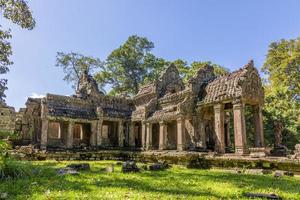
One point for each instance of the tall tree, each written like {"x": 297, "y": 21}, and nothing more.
{"x": 282, "y": 92}
{"x": 128, "y": 66}
{"x": 16, "y": 11}
{"x": 74, "y": 64}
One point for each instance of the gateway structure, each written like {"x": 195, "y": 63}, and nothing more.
{"x": 206, "y": 113}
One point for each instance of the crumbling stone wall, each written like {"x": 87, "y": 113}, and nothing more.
{"x": 7, "y": 118}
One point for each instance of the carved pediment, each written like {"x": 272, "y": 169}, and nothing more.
{"x": 170, "y": 82}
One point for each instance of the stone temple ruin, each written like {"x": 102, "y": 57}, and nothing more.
{"x": 207, "y": 113}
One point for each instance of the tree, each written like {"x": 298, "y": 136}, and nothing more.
{"x": 282, "y": 92}
{"x": 129, "y": 66}
{"x": 74, "y": 64}
{"x": 17, "y": 12}
{"x": 187, "y": 72}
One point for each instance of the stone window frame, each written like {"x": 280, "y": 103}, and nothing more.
{"x": 59, "y": 130}
{"x": 80, "y": 131}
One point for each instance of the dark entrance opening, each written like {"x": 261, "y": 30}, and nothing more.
{"x": 138, "y": 134}
{"x": 155, "y": 136}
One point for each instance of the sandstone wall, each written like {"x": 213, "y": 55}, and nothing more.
{"x": 7, "y": 118}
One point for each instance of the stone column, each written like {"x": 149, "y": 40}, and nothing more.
{"x": 202, "y": 133}
{"x": 44, "y": 134}
{"x": 70, "y": 135}
{"x": 180, "y": 134}
{"x": 258, "y": 126}
{"x": 121, "y": 133}
{"x": 162, "y": 135}
{"x": 227, "y": 130}
{"x": 239, "y": 128}
{"x": 143, "y": 135}
{"x": 219, "y": 128}
{"x": 99, "y": 133}
{"x": 131, "y": 135}
{"x": 93, "y": 137}
{"x": 149, "y": 136}
{"x": 45, "y": 124}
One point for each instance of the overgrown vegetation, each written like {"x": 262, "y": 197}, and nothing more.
{"x": 282, "y": 92}
{"x": 175, "y": 183}
{"x": 18, "y": 12}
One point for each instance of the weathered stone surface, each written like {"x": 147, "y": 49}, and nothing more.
{"x": 110, "y": 169}
{"x": 165, "y": 114}
{"x": 130, "y": 166}
{"x": 260, "y": 195}
{"x": 79, "y": 166}
{"x": 159, "y": 166}
{"x": 280, "y": 150}
{"x": 7, "y": 118}
{"x": 67, "y": 170}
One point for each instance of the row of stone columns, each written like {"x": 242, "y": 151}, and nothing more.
{"x": 240, "y": 140}
{"x": 147, "y": 132}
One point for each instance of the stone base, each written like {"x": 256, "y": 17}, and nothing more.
{"x": 257, "y": 152}
{"x": 280, "y": 150}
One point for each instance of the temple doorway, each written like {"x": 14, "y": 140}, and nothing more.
{"x": 155, "y": 136}
{"x": 81, "y": 135}
{"x": 138, "y": 134}
{"x": 172, "y": 135}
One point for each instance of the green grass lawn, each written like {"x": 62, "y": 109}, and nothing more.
{"x": 175, "y": 183}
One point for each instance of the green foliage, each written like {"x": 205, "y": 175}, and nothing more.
{"x": 12, "y": 169}
{"x": 128, "y": 66}
{"x": 18, "y": 12}
{"x": 282, "y": 91}
{"x": 132, "y": 65}
{"x": 283, "y": 66}
{"x": 175, "y": 183}
{"x": 74, "y": 64}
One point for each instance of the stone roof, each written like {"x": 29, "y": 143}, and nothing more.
{"x": 70, "y": 107}
{"x": 234, "y": 85}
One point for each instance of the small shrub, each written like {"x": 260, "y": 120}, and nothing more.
{"x": 12, "y": 169}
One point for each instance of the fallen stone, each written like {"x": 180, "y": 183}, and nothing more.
{"x": 280, "y": 150}
{"x": 110, "y": 169}
{"x": 288, "y": 173}
{"x": 159, "y": 166}
{"x": 254, "y": 171}
{"x": 278, "y": 174}
{"x": 261, "y": 195}
{"x": 129, "y": 166}
{"x": 67, "y": 170}
{"x": 26, "y": 149}
{"x": 80, "y": 166}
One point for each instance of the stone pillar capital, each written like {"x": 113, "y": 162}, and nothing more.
{"x": 237, "y": 102}
{"x": 162, "y": 122}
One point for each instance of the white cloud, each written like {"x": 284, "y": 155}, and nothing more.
{"x": 36, "y": 95}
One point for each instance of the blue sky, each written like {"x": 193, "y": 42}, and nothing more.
{"x": 229, "y": 33}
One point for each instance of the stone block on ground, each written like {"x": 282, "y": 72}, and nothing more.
{"x": 280, "y": 150}
{"x": 26, "y": 149}
{"x": 110, "y": 169}
{"x": 261, "y": 195}
{"x": 80, "y": 166}
{"x": 159, "y": 166}
{"x": 130, "y": 166}
{"x": 67, "y": 170}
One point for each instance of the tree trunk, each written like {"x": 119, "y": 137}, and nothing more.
{"x": 278, "y": 132}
